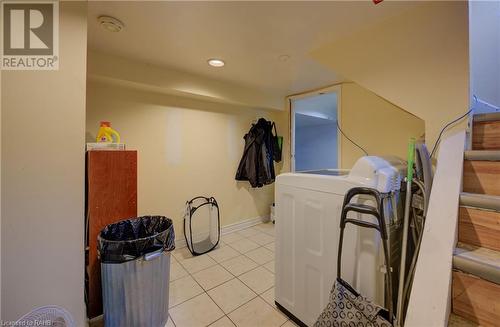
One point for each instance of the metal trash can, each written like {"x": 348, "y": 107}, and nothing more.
{"x": 135, "y": 271}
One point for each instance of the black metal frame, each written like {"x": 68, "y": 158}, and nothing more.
{"x": 378, "y": 213}
{"x": 290, "y": 315}
{"x": 208, "y": 201}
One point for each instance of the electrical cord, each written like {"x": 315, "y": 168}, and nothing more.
{"x": 347, "y": 137}
{"x": 445, "y": 128}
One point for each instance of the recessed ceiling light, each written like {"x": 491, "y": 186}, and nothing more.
{"x": 216, "y": 62}
{"x": 110, "y": 24}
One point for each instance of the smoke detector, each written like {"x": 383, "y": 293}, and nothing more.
{"x": 284, "y": 57}
{"x": 110, "y": 24}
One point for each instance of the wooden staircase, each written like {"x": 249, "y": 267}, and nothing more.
{"x": 476, "y": 261}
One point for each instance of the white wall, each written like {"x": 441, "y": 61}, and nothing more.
{"x": 42, "y": 178}
{"x": 484, "y": 36}
{"x": 185, "y": 148}
{"x": 417, "y": 60}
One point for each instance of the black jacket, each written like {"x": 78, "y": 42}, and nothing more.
{"x": 256, "y": 165}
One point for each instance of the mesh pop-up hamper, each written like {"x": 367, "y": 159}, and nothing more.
{"x": 202, "y": 224}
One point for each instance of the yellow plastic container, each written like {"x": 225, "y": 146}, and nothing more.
{"x": 106, "y": 134}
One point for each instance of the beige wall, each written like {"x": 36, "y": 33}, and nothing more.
{"x": 186, "y": 148}
{"x": 417, "y": 60}
{"x": 377, "y": 125}
{"x": 43, "y": 138}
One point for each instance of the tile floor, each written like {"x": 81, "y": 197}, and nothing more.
{"x": 230, "y": 286}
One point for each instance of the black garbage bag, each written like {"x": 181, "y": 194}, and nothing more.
{"x": 133, "y": 238}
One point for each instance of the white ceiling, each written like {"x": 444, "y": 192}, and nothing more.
{"x": 249, "y": 36}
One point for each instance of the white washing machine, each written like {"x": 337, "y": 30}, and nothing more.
{"x": 308, "y": 207}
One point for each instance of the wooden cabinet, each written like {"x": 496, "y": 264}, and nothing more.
{"x": 111, "y": 196}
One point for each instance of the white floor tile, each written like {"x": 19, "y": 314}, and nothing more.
{"x": 181, "y": 254}
{"x": 270, "y": 266}
{"x": 262, "y": 238}
{"x": 223, "y": 253}
{"x": 195, "y": 264}
{"x": 231, "y": 295}
{"x": 239, "y": 265}
{"x": 176, "y": 271}
{"x": 231, "y": 237}
{"x": 268, "y": 296}
{"x": 211, "y": 277}
{"x": 259, "y": 279}
{"x": 267, "y": 228}
{"x": 257, "y": 313}
{"x": 197, "y": 312}
{"x": 170, "y": 323}
{"x": 223, "y": 322}
{"x": 172, "y": 258}
{"x": 183, "y": 289}
{"x": 289, "y": 323}
{"x": 203, "y": 288}
{"x": 244, "y": 245}
{"x": 270, "y": 232}
{"x": 270, "y": 246}
{"x": 260, "y": 255}
{"x": 248, "y": 232}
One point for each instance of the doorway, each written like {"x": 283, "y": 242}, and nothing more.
{"x": 314, "y": 134}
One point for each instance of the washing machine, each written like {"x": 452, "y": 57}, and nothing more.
{"x": 308, "y": 208}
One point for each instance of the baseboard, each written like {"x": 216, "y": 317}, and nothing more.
{"x": 243, "y": 224}
{"x": 181, "y": 243}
